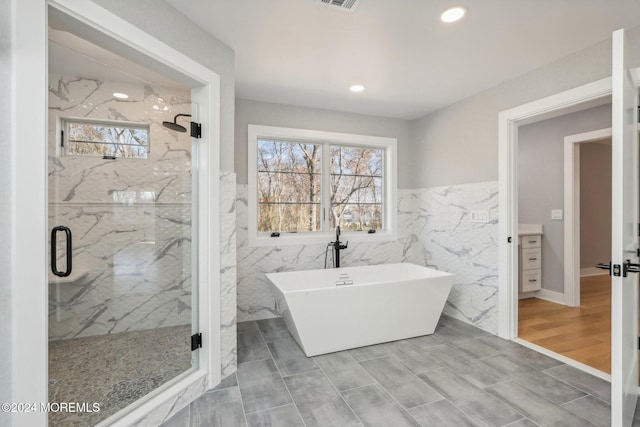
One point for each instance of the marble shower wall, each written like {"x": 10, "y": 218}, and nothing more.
{"x": 130, "y": 218}
{"x": 434, "y": 229}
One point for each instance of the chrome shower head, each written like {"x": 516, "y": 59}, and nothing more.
{"x": 175, "y": 126}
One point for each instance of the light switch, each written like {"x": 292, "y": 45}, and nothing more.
{"x": 556, "y": 214}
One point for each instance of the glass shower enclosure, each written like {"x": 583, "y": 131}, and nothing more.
{"x": 122, "y": 221}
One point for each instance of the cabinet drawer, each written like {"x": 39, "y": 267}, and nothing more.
{"x": 531, "y": 259}
{"x": 531, "y": 281}
{"x": 531, "y": 241}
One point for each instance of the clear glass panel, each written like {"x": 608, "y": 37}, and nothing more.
{"x": 361, "y": 217}
{"x": 288, "y": 186}
{"x": 110, "y": 139}
{"x": 356, "y": 188}
{"x": 289, "y": 217}
{"x": 120, "y": 323}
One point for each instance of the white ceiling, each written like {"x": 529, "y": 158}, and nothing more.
{"x": 295, "y": 52}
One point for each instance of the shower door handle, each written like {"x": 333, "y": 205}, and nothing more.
{"x": 54, "y": 256}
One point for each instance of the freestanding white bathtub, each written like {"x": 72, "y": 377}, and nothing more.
{"x": 342, "y": 308}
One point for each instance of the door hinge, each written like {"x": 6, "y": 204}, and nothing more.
{"x": 638, "y": 343}
{"x": 509, "y": 239}
{"x": 196, "y": 130}
{"x": 196, "y": 341}
{"x": 61, "y": 138}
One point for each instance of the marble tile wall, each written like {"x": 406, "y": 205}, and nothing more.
{"x": 434, "y": 229}
{"x": 130, "y": 218}
{"x": 467, "y": 249}
{"x": 228, "y": 272}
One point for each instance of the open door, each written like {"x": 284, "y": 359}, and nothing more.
{"x": 624, "y": 237}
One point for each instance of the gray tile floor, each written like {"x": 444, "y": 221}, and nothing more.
{"x": 459, "y": 376}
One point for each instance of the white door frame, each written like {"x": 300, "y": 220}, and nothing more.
{"x": 572, "y": 100}
{"x": 572, "y": 211}
{"x": 29, "y": 187}
{"x": 508, "y": 121}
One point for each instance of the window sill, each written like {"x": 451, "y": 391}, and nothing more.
{"x": 300, "y": 239}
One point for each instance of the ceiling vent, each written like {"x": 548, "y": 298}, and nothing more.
{"x": 345, "y": 5}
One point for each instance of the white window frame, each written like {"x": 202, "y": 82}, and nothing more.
{"x": 326, "y": 139}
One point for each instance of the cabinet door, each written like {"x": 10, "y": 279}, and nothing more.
{"x": 531, "y": 241}
{"x": 531, "y": 259}
{"x": 531, "y": 280}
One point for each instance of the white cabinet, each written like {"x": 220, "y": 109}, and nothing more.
{"x": 530, "y": 257}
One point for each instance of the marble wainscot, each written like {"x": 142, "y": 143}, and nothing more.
{"x": 434, "y": 230}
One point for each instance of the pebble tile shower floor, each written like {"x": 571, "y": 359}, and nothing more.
{"x": 114, "y": 370}
{"x": 459, "y": 376}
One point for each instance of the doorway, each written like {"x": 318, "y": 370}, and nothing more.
{"x": 576, "y": 327}
{"x": 624, "y": 90}
{"x": 549, "y": 317}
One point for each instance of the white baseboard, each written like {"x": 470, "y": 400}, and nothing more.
{"x": 592, "y": 271}
{"x": 553, "y": 296}
{"x": 545, "y": 294}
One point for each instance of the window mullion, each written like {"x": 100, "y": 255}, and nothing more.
{"x": 326, "y": 186}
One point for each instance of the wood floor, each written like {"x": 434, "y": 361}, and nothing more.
{"x": 581, "y": 333}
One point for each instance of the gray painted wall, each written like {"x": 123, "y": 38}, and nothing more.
{"x": 595, "y": 203}
{"x": 6, "y": 183}
{"x": 165, "y": 23}
{"x": 459, "y": 144}
{"x": 541, "y": 181}
{"x": 261, "y": 113}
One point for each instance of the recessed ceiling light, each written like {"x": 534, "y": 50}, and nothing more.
{"x": 356, "y": 88}
{"x": 120, "y": 95}
{"x": 453, "y": 14}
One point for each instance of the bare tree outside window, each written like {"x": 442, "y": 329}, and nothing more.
{"x": 289, "y": 186}
{"x": 356, "y": 188}
{"x": 107, "y": 139}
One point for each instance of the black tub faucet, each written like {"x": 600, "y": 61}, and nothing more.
{"x": 337, "y": 247}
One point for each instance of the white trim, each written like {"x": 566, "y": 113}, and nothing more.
{"x": 592, "y": 271}
{"x": 572, "y": 211}
{"x": 390, "y": 231}
{"x": 572, "y": 270}
{"x": 29, "y": 215}
{"x": 545, "y": 294}
{"x": 29, "y": 341}
{"x": 508, "y": 122}
{"x": 553, "y": 296}
{"x": 564, "y": 359}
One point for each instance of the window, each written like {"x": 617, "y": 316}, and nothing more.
{"x": 108, "y": 139}
{"x": 304, "y": 183}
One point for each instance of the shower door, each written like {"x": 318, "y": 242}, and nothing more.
{"x": 122, "y": 221}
